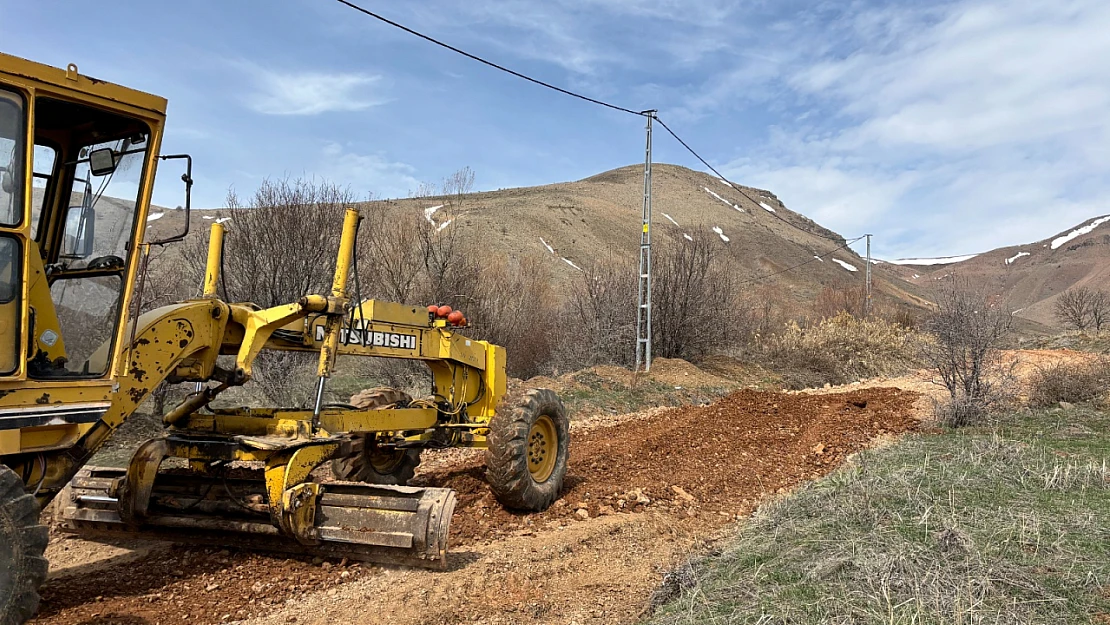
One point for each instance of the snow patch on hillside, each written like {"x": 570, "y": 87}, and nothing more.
{"x": 1011, "y": 259}
{"x": 670, "y": 219}
{"x": 431, "y": 210}
{"x": 844, "y": 264}
{"x": 710, "y": 192}
{"x": 819, "y": 258}
{"x": 155, "y": 216}
{"x": 549, "y": 248}
{"x": 567, "y": 261}
{"x": 688, "y": 237}
{"x": 223, "y": 219}
{"x": 726, "y": 183}
{"x": 444, "y": 225}
{"x": 946, "y": 260}
{"x": 720, "y": 233}
{"x": 766, "y": 206}
{"x": 1078, "y": 232}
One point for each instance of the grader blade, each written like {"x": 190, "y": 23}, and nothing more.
{"x": 382, "y": 524}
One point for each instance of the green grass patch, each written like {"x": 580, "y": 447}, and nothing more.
{"x": 593, "y": 395}
{"x": 1006, "y": 525}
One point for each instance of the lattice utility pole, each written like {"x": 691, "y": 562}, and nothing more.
{"x": 867, "y": 304}
{"x": 643, "y": 300}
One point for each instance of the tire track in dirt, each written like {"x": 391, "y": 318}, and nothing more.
{"x": 661, "y": 484}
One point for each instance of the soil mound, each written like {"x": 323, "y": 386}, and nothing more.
{"x": 719, "y": 459}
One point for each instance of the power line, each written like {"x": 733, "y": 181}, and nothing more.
{"x": 817, "y": 257}
{"x": 642, "y": 113}
{"x": 736, "y": 186}
{"x": 489, "y": 63}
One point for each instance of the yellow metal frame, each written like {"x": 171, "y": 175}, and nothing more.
{"x": 16, "y": 391}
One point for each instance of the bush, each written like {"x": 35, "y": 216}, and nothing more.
{"x": 840, "y": 349}
{"x": 964, "y": 349}
{"x": 510, "y": 298}
{"x": 600, "y": 317}
{"x": 1068, "y": 382}
{"x": 693, "y": 296}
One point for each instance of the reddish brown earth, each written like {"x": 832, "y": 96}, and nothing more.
{"x": 639, "y": 494}
{"x": 725, "y": 457}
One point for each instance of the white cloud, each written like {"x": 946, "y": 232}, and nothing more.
{"x": 948, "y": 130}
{"x": 310, "y": 93}
{"x": 365, "y": 173}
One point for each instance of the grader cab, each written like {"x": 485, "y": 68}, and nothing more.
{"x": 77, "y": 166}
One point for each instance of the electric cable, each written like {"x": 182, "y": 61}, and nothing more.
{"x": 641, "y": 113}
{"x": 736, "y": 186}
{"x": 489, "y": 63}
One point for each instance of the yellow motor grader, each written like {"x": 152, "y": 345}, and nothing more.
{"x": 77, "y": 166}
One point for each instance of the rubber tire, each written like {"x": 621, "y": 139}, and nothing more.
{"x": 507, "y": 451}
{"x": 358, "y": 468}
{"x": 22, "y": 544}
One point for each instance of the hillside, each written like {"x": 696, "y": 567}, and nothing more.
{"x": 1030, "y": 276}
{"x": 576, "y": 224}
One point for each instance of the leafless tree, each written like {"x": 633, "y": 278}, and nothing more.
{"x": 281, "y": 242}
{"x": 392, "y": 261}
{"x": 1074, "y": 307}
{"x": 452, "y": 263}
{"x": 457, "y": 186}
{"x": 600, "y": 316}
{"x": 423, "y": 190}
{"x": 693, "y": 297}
{"x": 1100, "y": 310}
{"x": 964, "y": 350}
{"x": 511, "y": 304}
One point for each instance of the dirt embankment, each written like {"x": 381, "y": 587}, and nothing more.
{"x": 640, "y": 495}
{"x": 718, "y": 459}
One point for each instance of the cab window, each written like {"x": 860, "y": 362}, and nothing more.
{"x": 12, "y": 132}
{"x": 42, "y": 178}
{"x": 89, "y": 166}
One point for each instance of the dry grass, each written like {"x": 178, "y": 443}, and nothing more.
{"x": 1069, "y": 382}
{"x": 1006, "y": 526}
{"x": 840, "y": 349}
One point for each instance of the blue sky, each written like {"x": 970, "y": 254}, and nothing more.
{"x": 953, "y": 128}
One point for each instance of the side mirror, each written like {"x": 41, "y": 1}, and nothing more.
{"x": 187, "y": 178}
{"x": 102, "y": 162}
{"x": 80, "y": 232}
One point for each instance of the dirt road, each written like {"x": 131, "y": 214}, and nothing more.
{"x": 641, "y": 495}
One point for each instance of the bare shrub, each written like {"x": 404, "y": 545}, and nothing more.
{"x": 761, "y": 312}
{"x": 600, "y": 316}
{"x": 1100, "y": 310}
{"x": 457, "y": 186}
{"x": 1082, "y": 308}
{"x": 452, "y": 265}
{"x": 840, "y": 349}
{"x": 392, "y": 259}
{"x": 692, "y": 296}
{"x": 1073, "y": 307}
{"x": 505, "y": 306}
{"x": 841, "y": 298}
{"x": 964, "y": 349}
{"x": 281, "y": 242}
{"x": 1068, "y": 382}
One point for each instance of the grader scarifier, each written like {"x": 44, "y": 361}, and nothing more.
{"x": 75, "y": 364}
